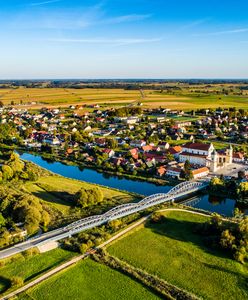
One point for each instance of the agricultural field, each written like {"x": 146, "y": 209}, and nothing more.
{"x": 30, "y": 267}
{"x": 175, "y": 99}
{"x": 172, "y": 251}
{"x": 89, "y": 280}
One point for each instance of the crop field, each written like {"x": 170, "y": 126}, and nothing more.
{"x": 173, "y": 252}
{"x": 89, "y": 280}
{"x": 30, "y": 267}
{"x": 57, "y": 191}
{"x": 59, "y": 97}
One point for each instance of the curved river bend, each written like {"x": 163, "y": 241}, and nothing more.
{"x": 223, "y": 206}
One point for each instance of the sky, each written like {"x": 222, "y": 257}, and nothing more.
{"x": 90, "y": 39}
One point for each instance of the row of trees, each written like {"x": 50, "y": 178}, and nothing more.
{"x": 15, "y": 168}
{"x": 229, "y": 236}
{"x": 19, "y": 207}
{"x": 231, "y": 186}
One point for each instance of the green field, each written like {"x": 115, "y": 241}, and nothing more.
{"x": 86, "y": 281}
{"x": 30, "y": 267}
{"x": 57, "y": 191}
{"x": 183, "y": 99}
{"x": 173, "y": 252}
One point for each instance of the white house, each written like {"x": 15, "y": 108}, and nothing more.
{"x": 173, "y": 172}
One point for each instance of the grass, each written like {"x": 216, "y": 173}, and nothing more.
{"x": 30, "y": 267}
{"x": 57, "y": 191}
{"x": 64, "y": 97}
{"x": 89, "y": 280}
{"x": 173, "y": 252}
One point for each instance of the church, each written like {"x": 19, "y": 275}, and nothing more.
{"x": 205, "y": 155}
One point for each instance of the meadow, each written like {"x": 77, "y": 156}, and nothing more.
{"x": 89, "y": 280}
{"x": 30, "y": 267}
{"x": 57, "y": 192}
{"x": 58, "y": 97}
{"x": 172, "y": 251}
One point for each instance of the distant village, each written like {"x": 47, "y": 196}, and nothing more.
{"x": 158, "y": 143}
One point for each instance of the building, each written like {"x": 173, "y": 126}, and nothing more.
{"x": 201, "y": 172}
{"x": 174, "y": 172}
{"x": 206, "y": 156}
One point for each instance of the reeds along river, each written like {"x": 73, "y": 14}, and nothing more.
{"x": 213, "y": 204}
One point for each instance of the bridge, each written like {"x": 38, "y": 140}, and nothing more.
{"x": 178, "y": 192}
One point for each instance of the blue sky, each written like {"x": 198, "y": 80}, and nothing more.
{"x": 123, "y": 39}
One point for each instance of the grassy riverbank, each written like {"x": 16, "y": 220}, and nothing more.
{"x": 172, "y": 251}
{"x": 58, "y": 193}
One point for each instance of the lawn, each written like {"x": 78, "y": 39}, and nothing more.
{"x": 89, "y": 280}
{"x": 173, "y": 252}
{"x": 30, "y": 267}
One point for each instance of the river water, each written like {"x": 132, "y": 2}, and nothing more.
{"x": 219, "y": 205}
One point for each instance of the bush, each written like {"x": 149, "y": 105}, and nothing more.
{"x": 16, "y": 281}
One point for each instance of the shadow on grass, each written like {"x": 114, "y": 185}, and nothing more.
{"x": 184, "y": 231}
{"x": 56, "y": 197}
{"x": 42, "y": 271}
{"x": 5, "y": 284}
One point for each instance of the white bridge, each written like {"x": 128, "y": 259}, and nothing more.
{"x": 180, "y": 191}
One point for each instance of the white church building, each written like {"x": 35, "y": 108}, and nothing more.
{"x": 205, "y": 155}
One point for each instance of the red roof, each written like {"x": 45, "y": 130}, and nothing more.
{"x": 197, "y": 146}
{"x": 200, "y": 170}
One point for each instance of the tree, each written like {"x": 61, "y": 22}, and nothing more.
{"x": 8, "y": 172}
{"x": 227, "y": 239}
{"x": 83, "y": 248}
{"x": 88, "y": 197}
{"x": 216, "y": 220}
{"x": 157, "y": 217}
{"x": 115, "y": 224}
{"x": 243, "y": 189}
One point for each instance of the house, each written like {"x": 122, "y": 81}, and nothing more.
{"x": 238, "y": 157}
{"x": 161, "y": 171}
{"x": 132, "y": 120}
{"x": 100, "y": 142}
{"x": 174, "y": 172}
{"x": 175, "y": 151}
{"x": 164, "y": 146}
{"x": 201, "y": 172}
{"x": 137, "y": 143}
{"x": 134, "y": 153}
{"x": 147, "y": 148}
{"x": 109, "y": 152}
{"x": 53, "y": 141}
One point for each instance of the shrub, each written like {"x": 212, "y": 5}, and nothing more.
{"x": 16, "y": 281}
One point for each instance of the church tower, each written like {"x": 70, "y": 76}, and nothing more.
{"x": 229, "y": 155}
{"x": 214, "y": 161}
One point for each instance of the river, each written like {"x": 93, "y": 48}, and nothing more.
{"x": 219, "y": 205}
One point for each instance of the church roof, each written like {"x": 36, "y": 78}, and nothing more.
{"x": 197, "y": 146}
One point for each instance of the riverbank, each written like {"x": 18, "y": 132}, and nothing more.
{"x": 79, "y": 164}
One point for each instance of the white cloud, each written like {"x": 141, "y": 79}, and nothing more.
{"x": 44, "y": 2}
{"x": 116, "y": 42}
{"x": 231, "y": 31}
{"x": 125, "y": 18}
